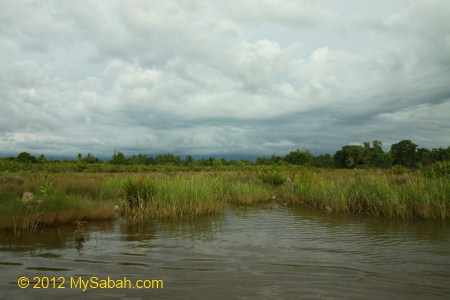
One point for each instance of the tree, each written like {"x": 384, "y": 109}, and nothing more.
{"x": 373, "y": 154}
{"x": 263, "y": 161}
{"x": 203, "y": 162}
{"x": 324, "y": 161}
{"x": 386, "y": 160}
{"x": 404, "y": 153}
{"x": 91, "y": 159}
{"x": 299, "y": 157}
{"x": 167, "y": 159}
{"x": 118, "y": 158}
{"x": 140, "y": 159}
{"x": 218, "y": 161}
{"x": 423, "y": 157}
{"x": 189, "y": 160}
{"x": 349, "y": 156}
{"x": 25, "y": 157}
{"x": 240, "y": 162}
{"x": 439, "y": 154}
{"x": 41, "y": 159}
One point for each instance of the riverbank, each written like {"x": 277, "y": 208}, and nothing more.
{"x": 57, "y": 198}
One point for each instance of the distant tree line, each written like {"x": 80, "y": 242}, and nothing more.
{"x": 368, "y": 155}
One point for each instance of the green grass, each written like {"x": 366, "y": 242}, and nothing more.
{"x": 137, "y": 192}
{"x": 58, "y": 199}
{"x": 248, "y": 193}
{"x": 440, "y": 169}
{"x": 68, "y": 197}
{"x": 274, "y": 178}
{"x": 373, "y": 194}
{"x": 175, "y": 197}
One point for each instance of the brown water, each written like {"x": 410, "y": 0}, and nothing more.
{"x": 269, "y": 252}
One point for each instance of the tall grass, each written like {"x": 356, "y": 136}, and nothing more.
{"x": 177, "y": 197}
{"x": 58, "y": 199}
{"x": 68, "y": 197}
{"x": 374, "y": 195}
{"x": 191, "y": 195}
{"x": 273, "y": 178}
{"x": 137, "y": 192}
{"x": 248, "y": 193}
{"x": 440, "y": 169}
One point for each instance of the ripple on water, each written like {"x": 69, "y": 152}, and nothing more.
{"x": 257, "y": 253}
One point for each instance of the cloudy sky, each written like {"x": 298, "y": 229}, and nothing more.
{"x": 207, "y": 77}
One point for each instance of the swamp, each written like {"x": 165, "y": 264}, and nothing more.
{"x": 261, "y": 231}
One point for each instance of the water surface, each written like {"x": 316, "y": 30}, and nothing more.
{"x": 266, "y": 252}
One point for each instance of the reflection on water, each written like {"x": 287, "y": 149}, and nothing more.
{"x": 200, "y": 228}
{"x": 264, "y": 252}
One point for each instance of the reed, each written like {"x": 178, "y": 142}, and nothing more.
{"x": 374, "y": 195}
{"x": 178, "y": 197}
{"x": 248, "y": 193}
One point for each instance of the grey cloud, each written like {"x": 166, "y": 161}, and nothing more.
{"x": 298, "y": 14}
{"x": 211, "y": 78}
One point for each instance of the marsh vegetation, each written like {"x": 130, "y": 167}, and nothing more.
{"x": 66, "y": 197}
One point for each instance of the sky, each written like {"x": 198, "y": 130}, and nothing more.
{"x": 222, "y": 77}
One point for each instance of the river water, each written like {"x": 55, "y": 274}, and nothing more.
{"x": 265, "y": 252}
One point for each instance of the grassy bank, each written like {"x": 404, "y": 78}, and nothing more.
{"x": 56, "y": 199}
{"x": 404, "y": 196}
{"x": 69, "y": 197}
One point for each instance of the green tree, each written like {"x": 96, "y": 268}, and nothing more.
{"x": 91, "y": 159}
{"x": 273, "y": 160}
{"x": 324, "y": 161}
{"x": 263, "y": 161}
{"x": 386, "y": 160}
{"x": 203, "y": 162}
{"x": 423, "y": 157}
{"x": 404, "y": 153}
{"x": 373, "y": 154}
{"x": 140, "y": 159}
{"x": 25, "y": 157}
{"x": 118, "y": 158}
{"x": 41, "y": 159}
{"x": 439, "y": 154}
{"x": 189, "y": 160}
{"x": 240, "y": 162}
{"x": 167, "y": 159}
{"x": 218, "y": 161}
{"x": 350, "y": 156}
{"x": 299, "y": 157}
{"x": 276, "y": 159}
